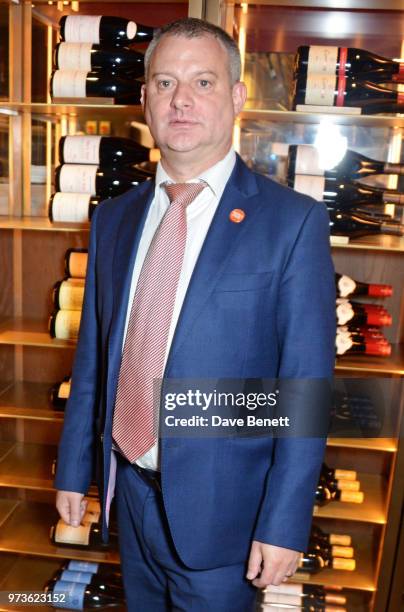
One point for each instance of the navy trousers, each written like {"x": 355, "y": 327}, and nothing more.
{"x": 155, "y": 579}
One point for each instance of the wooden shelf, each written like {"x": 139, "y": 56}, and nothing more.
{"x": 28, "y": 400}
{"x": 53, "y": 110}
{"x": 30, "y": 332}
{"x": 376, "y": 242}
{"x": 28, "y": 466}
{"x": 26, "y": 531}
{"x": 394, "y": 364}
{"x": 377, "y": 444}
{"x": 285, "y": 116}
{"x": 40, "y": 224}
{"x": 372, "y": 510}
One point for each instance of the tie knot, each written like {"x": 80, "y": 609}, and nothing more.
{"x": 183, "y": 193}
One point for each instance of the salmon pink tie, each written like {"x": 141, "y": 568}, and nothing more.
{"x": 135, "y": 421}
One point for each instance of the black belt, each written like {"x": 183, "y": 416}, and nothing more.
{"x": 151, "y": 477}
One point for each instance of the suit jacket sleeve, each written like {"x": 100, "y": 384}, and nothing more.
{"x": 306, "y": 336}
{"x": 76, "y": 448}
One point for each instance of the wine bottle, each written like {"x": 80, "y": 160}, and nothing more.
{"x": 98, "y": 582}
{"x": 339, "y": 194}
{"x": 312, "y": 563}
{"x": 347, "y": 345}
{"x": 84, "y": 536}
{"x": 65, "y": 324}
{"x": 76, "y": 262}
{"x": 324, "y": 495}
{"x": 72, "y": 207}
{"x": 103, "y": 29}
{"x": 338, "y": 473}
{"x": 59, "y": 393}
{"x": 328, "y": 551}
{"x": 347, "y": 286}
{"x": 325, "y": 90}
{"x": 86, "y": 178}
{"x": 281, "y": 601}
{"x": 336, "y": 539}
{"x": 105, "y": 570}
{"x": 305, "y": 159}
{"x": 68, "y": 294}
{"x": 354, "y": 225}
{"x": 359, "y": 315}
{"x": 89, "y": 57}
{"x": 79, "y": 596}
{"x": 326, "y": 594}
{"x": 104, "y": 151}
{"x": 85, "y": 84}
{"x": 348, "y": 62}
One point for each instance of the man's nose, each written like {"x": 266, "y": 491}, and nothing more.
{"x": 182, "y": 97}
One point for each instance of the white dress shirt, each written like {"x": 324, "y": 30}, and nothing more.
{"x": 199, "y": 216}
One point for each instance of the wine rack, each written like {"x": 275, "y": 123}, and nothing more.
{"x": 31, "y": 254}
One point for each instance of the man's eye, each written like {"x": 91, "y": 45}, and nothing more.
{"x": 164, "y": 84}
{"x": 204, "y": 83}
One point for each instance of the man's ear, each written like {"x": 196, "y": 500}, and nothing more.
{"x": 143, "y": 95}
{"x": 239, "y": 95}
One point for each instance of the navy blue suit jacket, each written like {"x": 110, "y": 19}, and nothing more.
{"x": 261, "y": 303}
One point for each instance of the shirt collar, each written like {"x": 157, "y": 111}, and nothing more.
{"x": 215, "y": 177}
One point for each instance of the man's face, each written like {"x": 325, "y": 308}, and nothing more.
{"x": 188, "y": 101}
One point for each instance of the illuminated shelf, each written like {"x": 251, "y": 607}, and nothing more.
{"x": 374, "y": 242}
{"x": 376, "y": 444}
{"x": 285, "y": 116}
{"x": 40, "y": 224}
{"x": 26, "y": 531}
{"x": 53, "y": 110}
{"x": 394, "y": 364}
{"x": 372, "y": 510}
{"x": 30, "y": 332}
{"x": 28, "y": 466}
{"x": 28, "y": 400}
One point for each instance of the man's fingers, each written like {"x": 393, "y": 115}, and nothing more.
{"x": 68, "y": 504}
{"x": 254, "y": 562}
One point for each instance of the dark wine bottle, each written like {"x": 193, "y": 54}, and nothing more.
{"x": 88, "y": 178}
{"x": 328, "y": 551}
{"x": 311, "y": 603}
{"x": 325, "y": 90}
{"x": 347, "y": 286}
{"x": 85, "y": 84}
{"x": 102, "y": 29}
{"x": 338, "y": 473}
{"x": 335, "y": 539}
{"x": 68, "y": 294}
{"x": 104, "y": 151}
{"x": 97, "y": 581}
{"x": 360, "y": 315}
{"x": 65, "y": 324}
{"x": 84, "y": 536}
{"x": 344, "y": 223}
{"x": 72, "y": 207}
{"x": 89, "y": 57}
{"x": 321, "y": 593}
{"x": 312, "y": 563}
{"x": 348, "y": 345}
{"x": 59, "y": 394}
{"x": 305, "y": 159}
{"x": 76, "y": 262}
{"x": 106, "y": 571}
{"x": 341, "y": 194}
{"x": 79, "y": 596}
{"x": 350, "y": 62}
{"x": 324, "y": 495}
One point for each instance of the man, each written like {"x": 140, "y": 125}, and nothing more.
{"x": 211, "y": 271}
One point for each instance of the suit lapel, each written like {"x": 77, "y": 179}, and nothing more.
{"x": 221, "y": 239}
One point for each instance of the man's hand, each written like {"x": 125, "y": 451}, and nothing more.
{"x": 71, "y": 507}
{"x": 273, "y": 564}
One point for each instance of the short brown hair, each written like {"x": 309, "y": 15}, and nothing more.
{"x": 190, "y": 27}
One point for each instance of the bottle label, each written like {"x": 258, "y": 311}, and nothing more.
{"x": 347, "y": 552}
{"x": 74, "y": 56}
{"x": 340, "y": 539}
{"x": 343, "y": 343}
{"x": 64, "y": 390}
{"x": 83, "y": 28}
{"x": 400, "y": 97}
{"x": 78, "y": 263}
{"x": 91, "y": 517}
{"x": 341, "y": 88}
{"x": 71, "y": 576}
{"x": 78, "y": 178}
{"x": 320, "y": 89}
{"x": 344, "y": 564}
{"x": 68, "y": 534}
{"x": 307, "y": 161}
{"x": 346, "y": 286}
{"x": 70, "y": 296}
{"x": 355, "y": 497}
{"x": 393, "y": 168}
{"x": 74, "y": 593}
{"x": 310, "y": 185}
{"x": 322, "y": 60}
{"x": 286, "y": 587}
{"x": 83, "y": 566}
{"x": 282, "y": 599}
{"x": 345, "y": 474}
{"x": 82, "y": 149}
{"x": 93, "y": 505}
{"x": 70, "y": 207}
{"x": 131, "y": 30}
{"x": 67, "y": 327}
{"x": 393, "y": 198}
{"x": 345, "y": 313}
{"x": 69, "y": 84}
{"x": 348, "y": 485}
